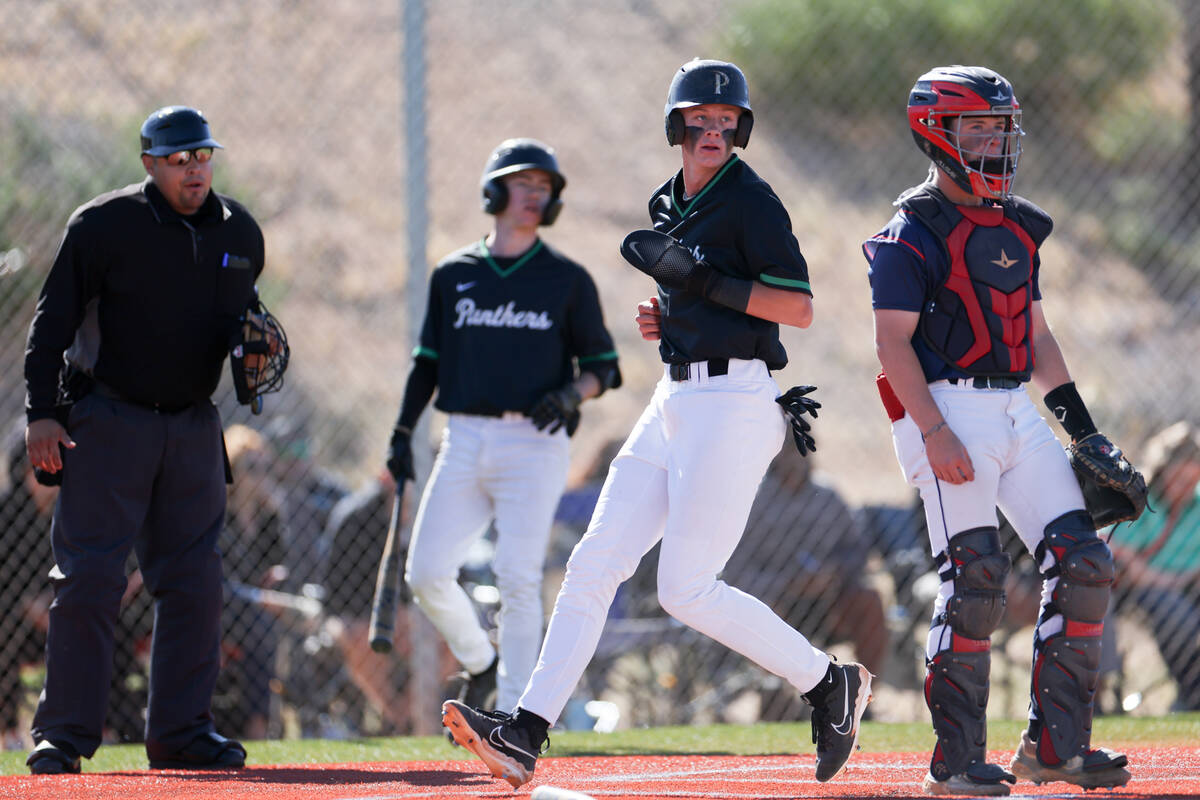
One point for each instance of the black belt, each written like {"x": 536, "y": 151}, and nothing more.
{"x": 716, "y": 366}
{"x": 988, "y": 383}
{"x": 104, "y": 390}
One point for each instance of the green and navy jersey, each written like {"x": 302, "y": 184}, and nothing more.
{"x": 504, "y": 331}
{"x": 737, "y": 225}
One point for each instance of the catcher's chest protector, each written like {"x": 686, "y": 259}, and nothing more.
{"x": 979, "y": 319}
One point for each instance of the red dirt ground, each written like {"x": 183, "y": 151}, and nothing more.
{"x": 1157, "y": 772}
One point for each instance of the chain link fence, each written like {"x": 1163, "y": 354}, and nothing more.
{"x": 312, "y": 102}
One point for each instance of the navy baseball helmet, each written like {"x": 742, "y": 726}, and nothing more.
{"x": 703, "y": 81}
{"x": 944, "y": 93}
{"x": 174, "y": 128}
{"x": 517, "y": 155}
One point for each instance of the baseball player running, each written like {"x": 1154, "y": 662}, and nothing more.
{"x": 959, "y": 329}
{"x": 689, "y": 470}
{"x": 513, "y": 342}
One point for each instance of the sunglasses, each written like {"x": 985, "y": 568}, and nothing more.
{"x": 181, "y": 157}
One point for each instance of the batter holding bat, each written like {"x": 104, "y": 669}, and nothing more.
{"x": 513, "y": 342}
{"x": 729, "y": 272}
{"x": 959, "y": 330}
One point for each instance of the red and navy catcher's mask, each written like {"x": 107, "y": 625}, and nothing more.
{"x": 946, "y": 93}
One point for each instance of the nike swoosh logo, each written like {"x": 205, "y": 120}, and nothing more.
{"x": 633, "y": 246}
{"x": 462, "y": 287}
{"x": 847, "y": 721}
{"x": 499, "y": 741}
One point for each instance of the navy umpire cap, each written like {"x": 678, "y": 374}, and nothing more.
{"x": 702, "y": 81}
{"x": 174, "y": 128}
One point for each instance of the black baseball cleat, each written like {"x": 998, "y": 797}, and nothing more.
{"x": 838, "y": 707}
{"x": 979, "y": 780}
{"x": 208, "y": 751}
{"x": 479, "y": 689}
{"x": 508, "y": 750}
{"x": 476, "y": 690}
{"x": 51, "y": 759}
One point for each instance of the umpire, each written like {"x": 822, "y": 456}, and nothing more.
{"x": 126, "y": 347}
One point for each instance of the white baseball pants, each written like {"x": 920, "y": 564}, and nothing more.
{"x": 1019, "y": 466}
{"x": 489, "y": 468}
{"x": 687, "y": 474}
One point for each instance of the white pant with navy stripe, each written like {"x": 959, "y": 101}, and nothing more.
{"x": 687, "y": 475}
{"x": 1019, "y": 466}
{"x": 488, "y": 468}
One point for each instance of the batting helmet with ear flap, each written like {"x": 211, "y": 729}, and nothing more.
{"x": 175, "y": 128}
{"x": 518, "y": 155}
{"x": 703, "y": 81}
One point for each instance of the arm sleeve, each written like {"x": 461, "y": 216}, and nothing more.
{"x": 769, "y": 246}
{"x": 423, "y": 375}
{"x": 73, "y": 280}
{"x": 590, "y": 343}
{"x": 422, "y": 381}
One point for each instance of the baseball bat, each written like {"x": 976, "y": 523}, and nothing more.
{"x": 387, "y": 584}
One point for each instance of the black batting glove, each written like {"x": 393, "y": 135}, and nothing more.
{"x": 556, "y": 409}
{"x": 795, "y": 405}
{"x": 400, "y": 457}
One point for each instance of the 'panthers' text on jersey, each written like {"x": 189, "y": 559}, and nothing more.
{"x": 738, "y": 225}
{"x": 504, "y": 331}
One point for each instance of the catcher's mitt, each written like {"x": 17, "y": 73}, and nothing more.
{"x": 1112, "y": 489}
{"x": 258, "y": 356}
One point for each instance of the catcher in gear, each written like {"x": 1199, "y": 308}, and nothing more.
{"x": 513, "y": 343}
{"x": 959, "y": 330}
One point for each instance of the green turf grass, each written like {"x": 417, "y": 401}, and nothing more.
{"x": 766, "y": 738}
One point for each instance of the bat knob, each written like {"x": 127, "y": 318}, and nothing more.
{"x": 381, "y": 645}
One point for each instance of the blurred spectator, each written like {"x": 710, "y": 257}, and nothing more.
{"x": 307, "y": 495}
{"x": 253, "y": 551}
{"x": 26, "y": 508}
{"x": 804, "y": 555}
{"x": 358, "y": 526}
{"x": 1158, "y": 556}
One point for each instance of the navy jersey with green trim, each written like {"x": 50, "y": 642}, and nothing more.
{"x": 738, "y": 225}
{"x": 504, "y": 331}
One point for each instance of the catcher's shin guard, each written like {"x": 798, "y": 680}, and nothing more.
{"x": 1066, "y": 664}
{"x": 956, "y": 681}
{"x": 956, "y": 691}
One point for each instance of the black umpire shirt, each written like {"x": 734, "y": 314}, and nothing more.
{"x": 145, "y": 298}
{"x": 738, "y": 225}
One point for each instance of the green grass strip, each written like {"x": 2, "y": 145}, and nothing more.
{"x": 762, "y": 739}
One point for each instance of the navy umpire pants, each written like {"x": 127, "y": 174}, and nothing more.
{"x": 155, "y": 483}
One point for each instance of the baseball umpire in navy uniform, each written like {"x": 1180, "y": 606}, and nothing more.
{"x": 513, "y": 342}
{"x": 126, "y": 347}
{"x": 689, "y": 471}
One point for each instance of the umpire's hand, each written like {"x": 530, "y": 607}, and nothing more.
{"x": 44, "y": 443}
{"x": 400, "y": 457}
